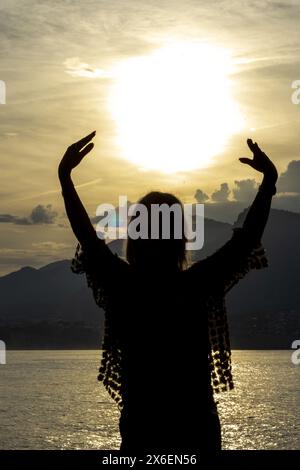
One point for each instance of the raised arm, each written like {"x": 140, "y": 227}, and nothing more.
{"x": 258, "y": 213}
{"x": 243, "y": 252}
{"x": 78, "y": 217}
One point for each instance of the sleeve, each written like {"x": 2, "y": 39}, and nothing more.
{"x": 103, "y": 270}
{"x": 233, "y": 261}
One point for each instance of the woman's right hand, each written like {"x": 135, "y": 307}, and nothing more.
{"x": 74, "y": 154}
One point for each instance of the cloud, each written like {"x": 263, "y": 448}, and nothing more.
{"x": 38, "y": 249}
{"x": 221, "y": 195}
{"x": 7, "y": 218}
{"x": 76, "y": 68}
{"x": 289, "y": 180}
{"x": 200, "y": 196}
{"x": 43, "y": 214}
{"x": 245, "y": 190}
{"x": 39, "y": 215}
{"x": 51, "y": 246}
{"x": 11, "y": 134}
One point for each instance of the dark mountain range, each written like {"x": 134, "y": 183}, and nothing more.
{"x": 51, "y": 307}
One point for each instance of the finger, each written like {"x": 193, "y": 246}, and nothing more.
{"x": 86, "y": 149}
{"x": 251, "y": 145}
{"x": 82, "y": 142}
{"x": 247, "y": 161}
{"x": 255, "y": 145}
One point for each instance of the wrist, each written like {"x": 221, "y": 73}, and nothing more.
{"x": 270, "y": 178}
{"x": 268, "y": 184}
{"x": 63, "y": 173}
{"x": 271, "y": 174}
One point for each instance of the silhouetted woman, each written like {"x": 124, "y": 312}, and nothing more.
{"x": 166, "y": 347}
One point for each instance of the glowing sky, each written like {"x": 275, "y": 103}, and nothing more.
{"x": 58, "y": 60}
{"x": 162, "y": 102}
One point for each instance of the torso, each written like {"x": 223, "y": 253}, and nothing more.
{"x": 164, "y": 331}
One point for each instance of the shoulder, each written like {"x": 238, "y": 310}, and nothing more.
{"x": 200, "y": 267}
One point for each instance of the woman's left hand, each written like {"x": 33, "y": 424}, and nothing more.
{"x": 260, "y": 161}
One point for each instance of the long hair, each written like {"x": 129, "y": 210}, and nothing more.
{"x": 169, "y": 253}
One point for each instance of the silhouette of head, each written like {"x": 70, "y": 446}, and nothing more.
{"x": 167, "y": 250}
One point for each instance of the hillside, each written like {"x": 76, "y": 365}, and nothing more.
{"x": 53, "y": 308}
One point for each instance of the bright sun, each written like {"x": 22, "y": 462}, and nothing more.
{"x": 173, "y": 108}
